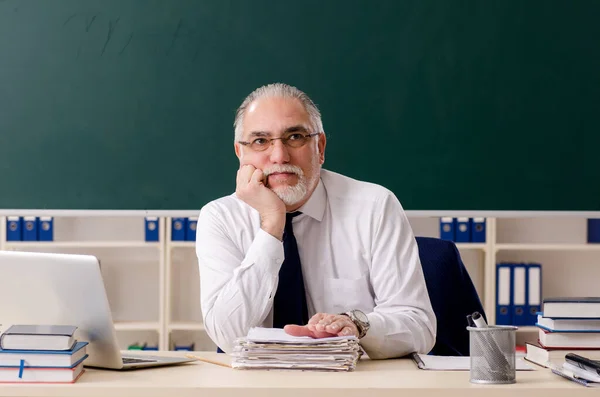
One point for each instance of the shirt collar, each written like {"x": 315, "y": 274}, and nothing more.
{"x": 315, "y": 206}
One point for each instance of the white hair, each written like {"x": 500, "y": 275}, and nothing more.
{"x": 283, "y": 91}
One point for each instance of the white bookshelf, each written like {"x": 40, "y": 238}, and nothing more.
{"x": 549, "y": 247}
{"x": 154, "y": 287}
{"x": 79, "y": 244}
{"x": 138, "y": 326}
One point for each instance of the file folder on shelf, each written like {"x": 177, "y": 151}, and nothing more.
{"x": 30, "y": 228}
{"x": 14, "y": 228}
{"x": 178, "y": 226}
{"x": 534, "y": 292}
{"x": 593, "y": 230}
{"x": 478, "y": 230}
{"x": 519, "y": 290}
{"x": 190, "y": 229}
{"x": 46, "y": 228}
{"x": 151, "y": 228}
{"x": 503, "y": 294}
{"x": 447, "y": 228}
{"x": 462, "y": 230}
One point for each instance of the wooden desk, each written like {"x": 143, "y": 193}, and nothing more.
{"x": 397, "y": 378}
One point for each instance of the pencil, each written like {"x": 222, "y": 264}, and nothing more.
{"x": 206, "y": 360}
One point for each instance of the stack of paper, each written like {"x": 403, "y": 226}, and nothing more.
{"x": 272, "y": 348}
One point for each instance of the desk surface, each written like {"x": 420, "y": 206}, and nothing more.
{"x": 371, "y": 378}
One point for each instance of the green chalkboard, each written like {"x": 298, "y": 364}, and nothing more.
{"x": 453, "y": 105}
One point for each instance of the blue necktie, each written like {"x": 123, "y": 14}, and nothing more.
{"x": 289, "y": 306}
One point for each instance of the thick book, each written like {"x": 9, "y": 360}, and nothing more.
{"x": 41, "y": 374}
{"x": 548, "y": 357}
{"x": 38, "y": 337}
{"x": 578, "y": 307}
{"x": 44, "y": 358}
{"x": 568, "y": 324}
{"x": 579, "y": 340}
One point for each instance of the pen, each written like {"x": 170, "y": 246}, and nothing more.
{"x": 479, "y": 320}
{"x": 418, "y": 360}
{"x": 206, "y": 360}
{"x": 470, "y": 321}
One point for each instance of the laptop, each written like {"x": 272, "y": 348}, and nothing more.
{"x": 67, "y": 289}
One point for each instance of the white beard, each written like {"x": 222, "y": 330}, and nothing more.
{"x": 291, "y": 195}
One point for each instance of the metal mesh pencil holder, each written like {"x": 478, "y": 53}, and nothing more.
{"x": 493, "y": 354}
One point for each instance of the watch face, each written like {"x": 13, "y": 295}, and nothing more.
{"x": 360, "y": 316}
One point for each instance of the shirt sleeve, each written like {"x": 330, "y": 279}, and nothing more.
{"x": 403, "y": 320}
{"x": 237, "y": 290}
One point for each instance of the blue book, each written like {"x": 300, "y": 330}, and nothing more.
{"x": 14, "y": 228}
{"x": 178, "y": 226}
{"x": 30, "y": 228}
{"x": 44, "y": 358}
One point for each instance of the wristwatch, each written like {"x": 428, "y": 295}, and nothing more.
{"x": 361, "y": 321}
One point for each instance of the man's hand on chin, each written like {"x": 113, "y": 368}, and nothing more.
{"x": 324, "y": 325}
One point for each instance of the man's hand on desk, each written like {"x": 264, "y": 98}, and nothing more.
{"x": 324, "y": 325}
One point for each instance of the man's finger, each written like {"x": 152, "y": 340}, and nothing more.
{"x": 316, "y": 318}
{"x": 347, "y": 331}
{"x": 338, "y": 325}
{"x": 257, "y": 177}
{"x": 298, "y": 330}
{"x": 245, "y": 173}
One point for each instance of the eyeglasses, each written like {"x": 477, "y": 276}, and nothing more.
{"x": 294, "y": 140}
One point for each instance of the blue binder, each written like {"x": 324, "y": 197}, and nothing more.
{"x": 478, "y": 230}
{"x": 178, "y": 229}
{"x": 503, "y": 294}
{"x": 45, "y": 228}
{"x": 14, "y": 228}
{"x": 190, "y": 230}
{"x": 151, "y": 228}
{"x": 462, "y": 230}
{"x": 30, "y": 228}
{"x": 447, "y": 228}
{"x": 593, "y": 230}
{"x": 534, "y": 292}
{"x": 519, "y": 291}
{"x": 184, "y": 347}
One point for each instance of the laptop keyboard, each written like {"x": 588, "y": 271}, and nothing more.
{"x": 131, "y": 360}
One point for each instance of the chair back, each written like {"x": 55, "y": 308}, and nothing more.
{"x": 452, "y": 294}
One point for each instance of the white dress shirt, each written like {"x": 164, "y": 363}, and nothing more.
{"x": 357, "y": 251}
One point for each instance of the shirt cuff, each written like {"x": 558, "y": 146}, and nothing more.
{"x": 372, "y": 342}
{"x": 265, "y": 251}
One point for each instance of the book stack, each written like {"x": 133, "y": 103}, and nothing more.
{"x": 41, "y": 354}
{"x": 272, "y": 348}
{"x": 566, "y": 325}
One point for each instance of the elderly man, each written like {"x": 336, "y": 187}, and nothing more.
{"x": 305, "y": 249}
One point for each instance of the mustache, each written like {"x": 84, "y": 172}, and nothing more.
{"x": 283, "y": 168}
